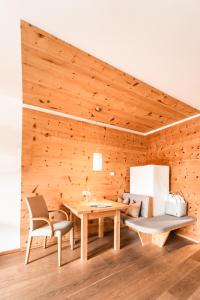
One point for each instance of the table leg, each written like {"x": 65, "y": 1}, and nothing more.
{"x": 72, "y": 242}
{"x": 84, "y": 237}
{"x": 117, "y": 230}
{"x": 101, "y": 227}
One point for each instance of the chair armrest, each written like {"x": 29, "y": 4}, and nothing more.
{"x": 47, "y": 221}
{"x": 62, "y": 211}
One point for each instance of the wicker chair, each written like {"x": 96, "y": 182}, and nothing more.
{"x": 41, "y": 225}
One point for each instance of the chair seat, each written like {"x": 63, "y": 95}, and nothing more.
{"x": 62, "y": 227}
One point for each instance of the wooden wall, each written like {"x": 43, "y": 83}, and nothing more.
{"x": 57, "y": 160}
{"x": 179, "y": 147}
{"x": 57, "y": 152}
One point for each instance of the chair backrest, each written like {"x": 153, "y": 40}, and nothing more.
{"x": 37, "y": 208}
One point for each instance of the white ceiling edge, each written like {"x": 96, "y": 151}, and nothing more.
{"x": 72, "y": 117}
{"x": 172, "y": 124}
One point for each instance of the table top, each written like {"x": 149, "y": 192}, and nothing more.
{"x": 83, "y": 206}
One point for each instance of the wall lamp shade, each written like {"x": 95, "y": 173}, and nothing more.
{"x": 97, "y": 162}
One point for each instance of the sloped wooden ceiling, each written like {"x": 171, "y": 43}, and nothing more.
{"x": 61, "y": 77}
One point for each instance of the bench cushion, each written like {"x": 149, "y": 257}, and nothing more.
{"x": 159, "y": 224}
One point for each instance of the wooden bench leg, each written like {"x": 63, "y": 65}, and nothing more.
{"x": 145, "y": 238}
{"x": 159, "y": 239}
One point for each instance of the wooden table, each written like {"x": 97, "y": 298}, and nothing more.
{"x": 85, "y": 212}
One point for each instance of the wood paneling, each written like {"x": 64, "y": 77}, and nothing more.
{"x": 59, "y": 76}
{"x": 57, "y": 152}
{"x": 179, "y": 147}
{"x": 57, "y": 160}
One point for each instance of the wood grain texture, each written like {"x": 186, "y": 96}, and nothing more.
{"x": 79, "y": 207}
{"x": 135, "y": 272}
{"x": 160, "y": 238}
{"x": 57, "y": 162}
{"x": 145, "y": 238}
{"x": 59, "y": 76}
{"x": 179, "y": 147}
{"x": 57, "y": 153}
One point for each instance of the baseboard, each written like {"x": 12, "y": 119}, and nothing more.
{"x": 188, "y": 238}
{"x": 10, "y": 251}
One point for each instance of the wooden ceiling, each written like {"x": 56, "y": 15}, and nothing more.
{"x": 61, "y": 77}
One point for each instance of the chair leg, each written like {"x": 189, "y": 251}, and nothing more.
{"x": 59, "y": 249}
{"x": 28, "y": 248}
{"x": 45, "y": 242}
{"x": 72, "y": 238}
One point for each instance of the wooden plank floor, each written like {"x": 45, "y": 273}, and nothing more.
{"x": 135, "y": 272}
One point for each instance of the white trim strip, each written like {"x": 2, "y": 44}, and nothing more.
{"x": 172, "y": 124}
{"x": 60, "y": 114}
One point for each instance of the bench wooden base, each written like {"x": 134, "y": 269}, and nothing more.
{"x": 158, "y": 239}
{"x": 156, "y": 230}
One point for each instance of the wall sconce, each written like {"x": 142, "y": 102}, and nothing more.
{"x": 97, "y": 161}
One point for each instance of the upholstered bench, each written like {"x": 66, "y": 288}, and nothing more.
{"x": 157, "y": 229}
